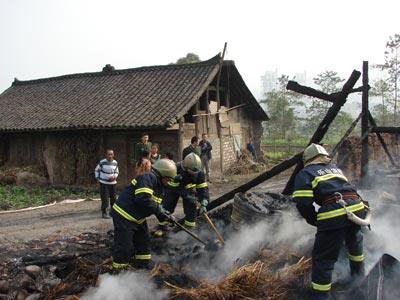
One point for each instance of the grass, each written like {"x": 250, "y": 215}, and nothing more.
{"x": 14, "y": 197}
{"x": 275, "y": 156}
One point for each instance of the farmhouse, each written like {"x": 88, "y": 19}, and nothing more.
{"x": 64, "y": 124}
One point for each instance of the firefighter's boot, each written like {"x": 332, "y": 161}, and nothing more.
{"x": 160, "y": 230}
{"x": 146, "y": 264}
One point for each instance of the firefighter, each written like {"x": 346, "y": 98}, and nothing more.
{"x": 323, "y": 183}
{"x": 190, "y": 184}
{"x": 138, "y": 200}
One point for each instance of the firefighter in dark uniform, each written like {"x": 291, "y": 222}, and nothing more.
{"x": 138, "y": 200}
{"x": 322, "y": 182}
{"x": 191, "y": 185}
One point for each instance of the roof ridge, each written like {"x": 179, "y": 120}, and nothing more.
{"x": 109, "y": 70}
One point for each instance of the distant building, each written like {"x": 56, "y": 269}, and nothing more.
{"x": 268, "y": 81}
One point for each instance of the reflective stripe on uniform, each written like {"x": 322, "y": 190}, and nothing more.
{"x": 202, "y": 185}
{"x": 134, "y": 181}
{"x": 126, "y": 215}
{"x": 356, "y": 258}
{"x": 190, "y": 185}
{"x": 303, "y": 193}
{"x": 339, "y": 212}
{"x": 144, "y": 190}
{"x": 191, "y": 224}
{"x": 325, "y": 177}
{"x": 118, "y": 266}
{"x": 321, "y": 287}
{"x": 173, "y": 184}
{"x": 143, "y": 256}
{"x": 156, "y": 199}
{"x": 164, "y": 223}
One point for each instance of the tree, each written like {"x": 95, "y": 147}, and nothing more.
{"x": 392, "y": 67}
{"x": 281, "y": 110}
{"x": 328, "y": 82}
{"x": 189, "y": 58}
{"x": 382, "y": 89}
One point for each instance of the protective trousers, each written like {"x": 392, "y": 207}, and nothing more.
{"x": 189, "y": 207}
{"x": 325, "y": 253}
{"x": 130, "y": 238}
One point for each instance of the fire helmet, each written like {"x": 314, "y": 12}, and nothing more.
{"x": 313, "y": 151}
{"x": 192, "y": 162}
{"x": 165, "y": 167}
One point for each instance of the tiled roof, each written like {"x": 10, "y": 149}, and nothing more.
{"x": 146, "y": 97}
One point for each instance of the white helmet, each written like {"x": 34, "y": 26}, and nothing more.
{"x": 192, "y": 162}
{"x": 165, "y": 167}
{"x": 312, "y": 151}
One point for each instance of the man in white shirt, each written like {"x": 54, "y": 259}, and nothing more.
{"x": 106, "y": 174}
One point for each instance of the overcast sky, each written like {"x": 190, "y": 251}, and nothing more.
{"x": 46, "y": 38}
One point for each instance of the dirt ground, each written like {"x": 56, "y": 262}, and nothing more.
{"x": 71, "y": 218}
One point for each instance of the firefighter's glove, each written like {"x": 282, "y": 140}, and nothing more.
{"x": 178, "y": 178}
{"x": 191, "y": 199}
{"x": 171, "y": 217}
{"x": 203, "y": 206}
{"x": 161, "y": 211}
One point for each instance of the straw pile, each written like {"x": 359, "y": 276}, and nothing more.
{"x": 274, "y": 275}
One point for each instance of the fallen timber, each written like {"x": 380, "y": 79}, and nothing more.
{"x": 297, "y": 159}
{"x": 326, "y": 122}
{"x": 295, "y": 87}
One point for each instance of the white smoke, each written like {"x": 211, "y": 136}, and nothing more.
{"x": 126, "y": 286}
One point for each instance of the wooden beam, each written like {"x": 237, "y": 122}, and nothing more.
{"x": 324, "y": 125}
{"x": 364, "y": 128}
{"x": 256, "y": 181}
{"x": 301, "y": 89}
{"x": 380, "y": 138}
{"x": 380, "y": 129}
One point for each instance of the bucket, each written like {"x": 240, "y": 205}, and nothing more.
{"x": 253, "y": 207}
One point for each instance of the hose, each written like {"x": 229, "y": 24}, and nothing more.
{"x": 355, "y": 219}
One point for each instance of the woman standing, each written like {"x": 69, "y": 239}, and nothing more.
{"x": 143, "y": 165}
{"x": 154, "y": 155}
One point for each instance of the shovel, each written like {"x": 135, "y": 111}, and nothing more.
{"x": 221, "y": 239}
{"x": 193, "y": 235}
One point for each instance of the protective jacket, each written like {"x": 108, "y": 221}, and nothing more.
{"x": 188, "y": 187}
{"x": 324, "y": 184}
{"x": 318, "y": 183}
{"x": 190, "y": 182}
{"x": 140, "y": 198}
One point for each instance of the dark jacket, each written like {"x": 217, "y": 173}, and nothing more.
{"x": 140, "y": 198}
{"x": 189, "y": 182}
{"x": 317, "y": 182}
{"x": 190, "y": 149}
{"x": 205, "y": 149}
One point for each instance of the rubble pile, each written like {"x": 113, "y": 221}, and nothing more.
{"x": 244, "y": 165}
{"x": 274, "y": 274}
{"x": 65, "y": 268}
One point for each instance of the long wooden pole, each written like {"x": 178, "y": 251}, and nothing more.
{"x": 219, "y": 126}
{"x": 364, "y": 128}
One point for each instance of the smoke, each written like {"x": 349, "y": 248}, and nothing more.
{"x": 384, "y": 229}
{"x": 288, "y": 230}
{"x": 127, "y": 286}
